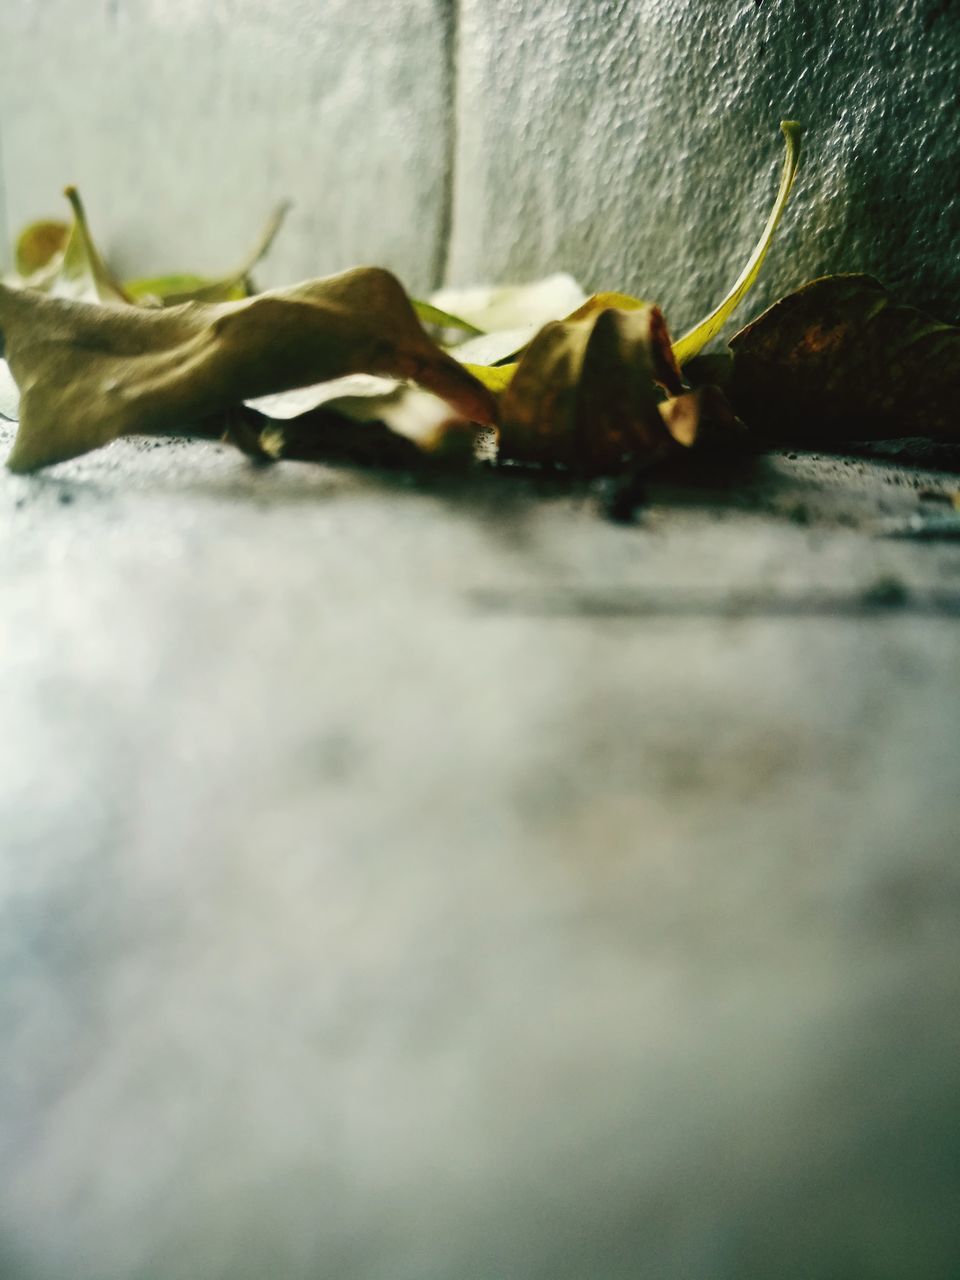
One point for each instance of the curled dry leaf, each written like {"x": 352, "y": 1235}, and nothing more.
{"x": 88, "y": 374}
{"x": 840, "y": 359}
{"x": 507, "y": 317}
{"x": 585, "y": 393}
{"x": 512, "y": 306}
{"x": 493, "y": 358}
{"x": 402, "y": 426}
{"x": 704, "y": 419}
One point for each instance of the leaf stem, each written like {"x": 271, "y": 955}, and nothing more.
{"x": 693, "y": 342}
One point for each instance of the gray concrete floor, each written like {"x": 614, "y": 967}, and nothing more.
{"x": 431, "y": 878}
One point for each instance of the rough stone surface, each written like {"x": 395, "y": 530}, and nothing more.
{"x": 184, "y": 123}
{"x": 416, "y": 880}
{"x": 636, "y": 145}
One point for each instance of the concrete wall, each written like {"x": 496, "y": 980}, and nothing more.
{"x": 634, "y": 144}
{"x": 184, "y": 121}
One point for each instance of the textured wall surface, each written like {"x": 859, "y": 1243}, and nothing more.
{"x": 637, "y": 144}
{"x": 633, "y": 144}
{"x": 184, "y": 122}
{"x": 423, "y": 882}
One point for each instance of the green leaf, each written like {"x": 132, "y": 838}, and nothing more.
{"x": 171, "y": 290}
{"x": 88, "y": 374}
{"x": 429, "y": 314}
{"x": 693, "y": 342}
{"x": 495, "y": 378}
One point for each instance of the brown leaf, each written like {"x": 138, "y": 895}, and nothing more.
{"x": 88, "y": 374}
{"x": 402, "y": 426}
{"x": 839, "y": 359}
{"x": 37, "y": 246}
{"x": 585, "y": 393}
{"x": 703, "y": 419}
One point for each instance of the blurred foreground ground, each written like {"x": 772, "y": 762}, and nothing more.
{"x": 432, "y": 879}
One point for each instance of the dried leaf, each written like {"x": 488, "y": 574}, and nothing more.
{"x": 171, "y": 290}
{"x": 65, "y": 261}
{"x": 512, "y": 306}
{"x": 37, "y": 246}
{"x": 9, "y": 394}
{"x": 323, "y": 435}
{"x": 291, "y": 404}
{"x": 88, "y": 374}
{"x": 704, "y": 419}
{"x": 403, "y": 426}
{"x": 487, "y": 361}
{"x": 839, "y": 359}
{"x": 585, "y": 393}
{"x": 510, "y": 318}
{"x": 602, "y": 301}
{"x": 497, "y": 348}
{"x": 493, "y": 357}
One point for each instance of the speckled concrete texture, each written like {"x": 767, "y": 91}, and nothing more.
{"x": 184, "y": 123}
{"x": 637, "y": 145}
{"x": 426, "y": 880}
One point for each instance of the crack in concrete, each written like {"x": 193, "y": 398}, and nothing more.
{"x": 450, "y": 20}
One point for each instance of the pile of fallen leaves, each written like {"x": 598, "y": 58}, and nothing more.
{"x": 350, "y": 367}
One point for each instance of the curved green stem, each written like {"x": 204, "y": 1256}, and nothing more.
{"x": 698, "y": 337}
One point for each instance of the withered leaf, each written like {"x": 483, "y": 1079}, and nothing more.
{"x": 508, "y": 317}
{"x": 488, "y": 357}
{"x": 512, "y": 306}
{"x": 64, "y": 260}
{"x": 37, "y": 245}
{"x": 402, "y": 426}
{"x": 88, "y": 374}
{"x": 585, "y": 393}
{"x": 840, "y": 359}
